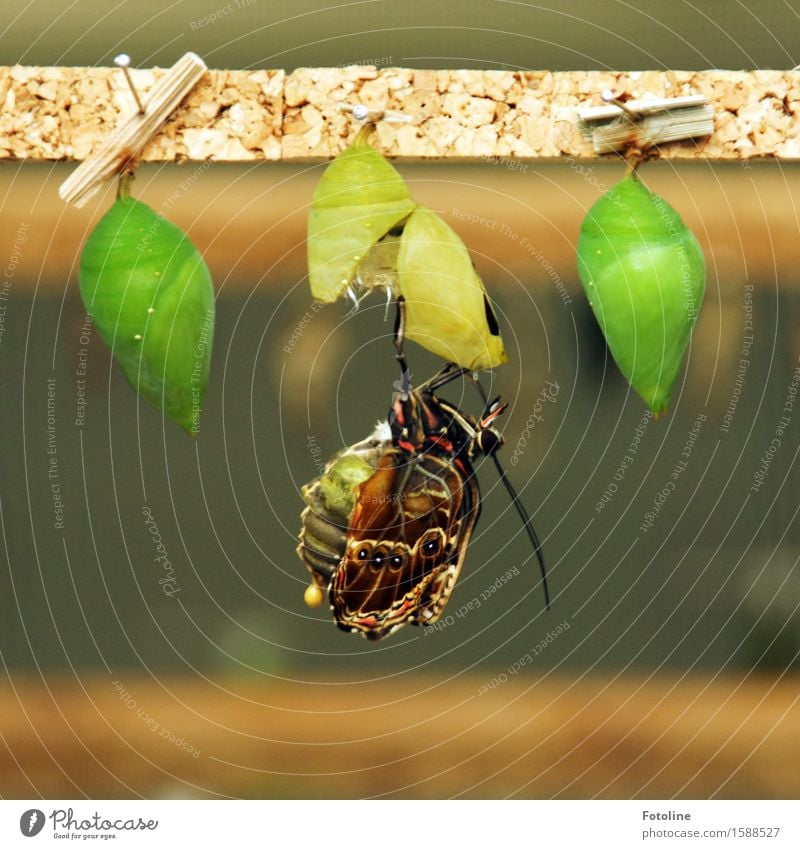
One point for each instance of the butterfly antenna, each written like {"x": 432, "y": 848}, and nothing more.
{"x": 527, "y": 524}
{"x": 517, "y": 501}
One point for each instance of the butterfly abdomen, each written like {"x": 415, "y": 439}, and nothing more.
{"x": 322, "y": 536}
{"x": 331, "y": 501}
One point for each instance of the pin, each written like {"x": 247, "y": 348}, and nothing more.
{"x": 126, "y": 142}
{"x": 645, "y": 122}
{"x": 362, "y": 113}
{"x": 609, "y": 97}
{"x": 123, "y": 61}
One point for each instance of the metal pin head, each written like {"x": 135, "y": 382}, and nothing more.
{"x": 609, "y": 97}
{"x": 360, "y": 112}
{"x": 123, "y": 61}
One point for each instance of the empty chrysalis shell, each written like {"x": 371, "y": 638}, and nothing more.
{"x": 447, "y": 308}
{"x": 366, "y": 232}
{"x": 644, "y": 275}
{"x": 358, "y": 200}
{"x": 150, "y": 295}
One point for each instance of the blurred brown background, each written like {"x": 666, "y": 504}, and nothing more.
{"x": 678, "y": 672}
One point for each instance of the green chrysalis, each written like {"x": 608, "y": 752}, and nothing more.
{"x": 358, "y": 200}
{"x": 447, "y": 308}
{"x": 644, "y": 275}
{"x": 150, "y": 295}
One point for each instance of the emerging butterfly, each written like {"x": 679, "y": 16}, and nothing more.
{"x": 388, "y": 522}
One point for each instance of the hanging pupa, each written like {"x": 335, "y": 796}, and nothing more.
{"x": 150, "y": 295}
{"x": 359, "y": 200}
{"x": 644, "y": 275}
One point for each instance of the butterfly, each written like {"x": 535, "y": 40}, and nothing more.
{"x": 388, "y": 524}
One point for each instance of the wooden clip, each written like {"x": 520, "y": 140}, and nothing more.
{"x": 130, "y": 137}
{"x": 645, "y": 123}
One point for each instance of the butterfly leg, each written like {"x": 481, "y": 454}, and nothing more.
{"x": 399, "y": 346}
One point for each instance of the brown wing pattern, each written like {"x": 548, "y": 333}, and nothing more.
{"x": 406, "y": 542}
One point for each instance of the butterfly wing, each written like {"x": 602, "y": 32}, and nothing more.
{"x": 406, "y": 542}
